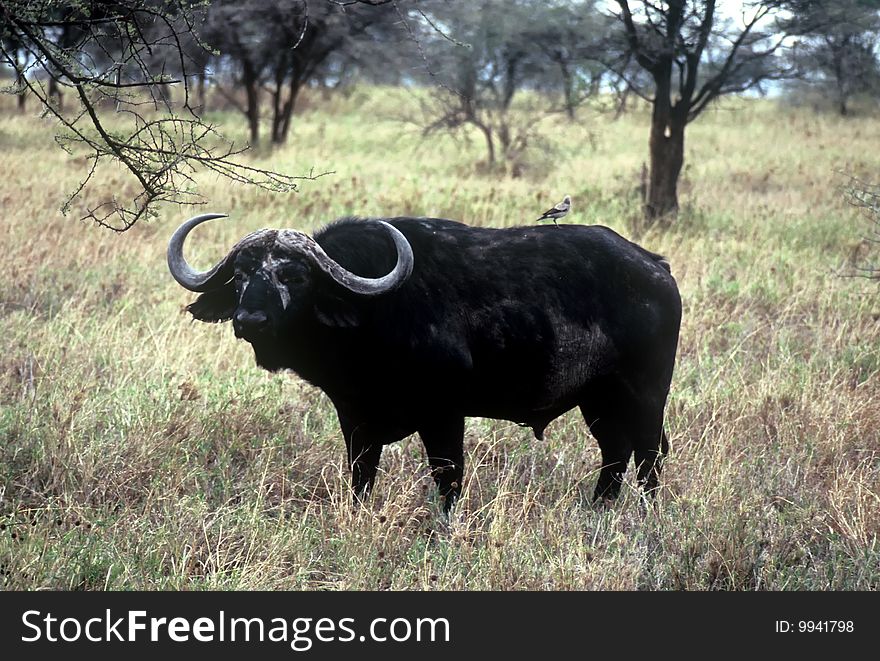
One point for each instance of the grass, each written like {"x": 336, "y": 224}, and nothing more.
{"x": 139, "y": 450}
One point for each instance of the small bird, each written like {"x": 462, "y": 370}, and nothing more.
{"x": 558, "y": 211}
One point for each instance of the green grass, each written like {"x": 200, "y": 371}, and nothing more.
{"x": 139, "y": 450}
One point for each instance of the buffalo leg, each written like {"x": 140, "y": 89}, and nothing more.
{"x": 364, "y": 462}
{"x": 649, "y": 455}
{"x": 625, "y": 424}
{"x": 364, "y": 449}
{"x": 444, "y": 443}
{"x": 616, "y": 449}
{"x": 644, "y": 427}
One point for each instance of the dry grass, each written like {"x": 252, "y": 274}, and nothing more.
{"x": 140, "y": 450}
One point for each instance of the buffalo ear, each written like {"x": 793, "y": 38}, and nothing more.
{"x": 214, "y": 306}
{"x": 337, "y": 313}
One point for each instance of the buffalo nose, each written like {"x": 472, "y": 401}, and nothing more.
{"x": 252, "y": 320}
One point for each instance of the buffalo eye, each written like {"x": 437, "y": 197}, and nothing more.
{"x": 294, "y": 274}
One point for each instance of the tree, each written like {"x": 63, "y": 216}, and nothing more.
{"x": 280, "y": 46}
{"x": 866, "y": 196}
{"x": 235, "y": 31}
{"x": 693, "y": 57}
{"x": 15, "y": 53}
{"x": 497, "y": 49}
{"x": 837, "y": 46}
{"x": 569, "y": 36}
{"x": 122, "y": 55}
{"x": 483, "y": 69}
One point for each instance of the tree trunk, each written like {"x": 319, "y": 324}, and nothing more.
{"x": 621, "y": 103}
{"x": 490, "y": 143}
{"x": 275, "y": 135}
{"x": 510, "y": 82}
{"x": 504, "y": 136}
{"x": 282, "y": 68}
{"x": 200, "y": 91}
{"x": 596, "y": 83}
{"x": 842, "y": 97}
{"x": 287, "y": 112}
{"x": 249, "y": 79}
{"x": 54, "y": 95}
{"x": 568, "y": 89}
{"x": 20, "y": 82}
{"x": 667, "y": 157}
{"x": 840, "y": 75}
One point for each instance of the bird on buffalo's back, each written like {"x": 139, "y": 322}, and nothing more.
{"x": 558, "y": 211}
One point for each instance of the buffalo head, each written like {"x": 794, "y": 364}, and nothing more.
{"x": 268, "y": 281}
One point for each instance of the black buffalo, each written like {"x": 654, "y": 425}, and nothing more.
{"x": 412, "y": 324}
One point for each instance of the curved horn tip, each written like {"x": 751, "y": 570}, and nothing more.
{"x": 373, "y": 286}
{"x": 185, "y": 275}
{"x": 186, "y": 226}
{"x": 203, "y": 217}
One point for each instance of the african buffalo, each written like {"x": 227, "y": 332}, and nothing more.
{"x": 412, "y": 324}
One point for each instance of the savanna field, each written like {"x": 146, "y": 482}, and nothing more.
{"x": 141, "y": 450}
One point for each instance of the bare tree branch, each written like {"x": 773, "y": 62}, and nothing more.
{"x": 130, "y": 52}
{"x": 866, "y": 196}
